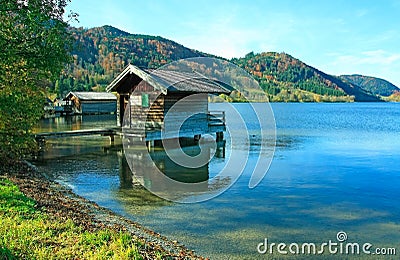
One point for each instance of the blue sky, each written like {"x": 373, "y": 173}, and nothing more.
{"x": 337, "y": 37}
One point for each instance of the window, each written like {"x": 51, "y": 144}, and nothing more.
{"x": 145, "y": 100}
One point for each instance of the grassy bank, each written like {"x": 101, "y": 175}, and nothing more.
{"x": 27, "y": 232}
{"x": 40, "y": 219}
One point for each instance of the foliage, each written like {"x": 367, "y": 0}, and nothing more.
{"x": 27, "y": 233}
{"x": 287, "y": 79}
{"x": 34, "y": 43}
{"x": 13, "y": 202}
{"x": 395, "y": 97}
{"x": 373, "y": 85}
{"x": 102, "y": 53}
{"x": 21, "y": 102}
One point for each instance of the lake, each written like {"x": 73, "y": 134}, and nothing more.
{"x": 335, "y": 169}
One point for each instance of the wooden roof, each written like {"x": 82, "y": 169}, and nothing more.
{"x": 98, "y": 96}
{"x": 166, "y": 81}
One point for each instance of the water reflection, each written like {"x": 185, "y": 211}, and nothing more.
{"x": 76, "y": 122}
{"x": 72, "y": 146}
{"x": 64, "y": 147}
{"x": 327, "y": 175}
{"x": 132, "y": 196}
{"x": 158, "y": 172}
{"x": 125, "y": 173}
{"x": 100, "y": 174}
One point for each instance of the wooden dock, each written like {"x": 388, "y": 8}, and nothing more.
{"x": 110, "y": 132}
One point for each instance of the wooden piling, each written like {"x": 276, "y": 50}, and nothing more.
{"x": 150, "y": 145}
{"x": 220, "y": 136}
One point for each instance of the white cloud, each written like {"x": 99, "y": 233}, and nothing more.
{"x": 377, "y": 57}
{"x": 217, "y": 41}
{"x": 377, "y": 63}
{"x": 228, "y": 37}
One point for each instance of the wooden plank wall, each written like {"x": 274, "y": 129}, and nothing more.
{"x": 98, "y": 107}
{"x": 123, "y": 100}
{"x": 145, "y": 87}
{"x": 196, "y": 108}
{"x": 152, "y": 116}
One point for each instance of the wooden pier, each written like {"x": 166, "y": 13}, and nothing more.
{"x": 110, "y": 132}
{"x": 150, "y": 144}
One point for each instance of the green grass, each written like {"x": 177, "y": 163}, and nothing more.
{"x": 28, "y": 233}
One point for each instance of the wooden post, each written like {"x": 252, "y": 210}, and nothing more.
{"x": 150, "y": 145}
{"x": 197, "y": 139}
{"x": 220, "y": 136}
{"x": 220, "y": 152}
{"x": 220, "y": 145}
{"x": 111, "y": 139}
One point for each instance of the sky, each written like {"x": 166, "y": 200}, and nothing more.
{"x": 337, "y": 37}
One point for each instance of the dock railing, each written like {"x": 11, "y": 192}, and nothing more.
{"x": 152, "y": 130}
{"x": 216, "y": 118}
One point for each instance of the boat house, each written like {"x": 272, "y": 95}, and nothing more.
{"x": 90, "y": 103}
{"x": 151, "y": 95}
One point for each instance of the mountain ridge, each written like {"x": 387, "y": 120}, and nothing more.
{"x": 374, "y": 85}
{"x": 101, "y": 53}
{"x": 281, "y": 73}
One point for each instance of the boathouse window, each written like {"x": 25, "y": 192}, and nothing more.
{"x": 145, "y": 100}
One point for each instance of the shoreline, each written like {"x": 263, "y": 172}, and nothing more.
{"x": 61, "y": 203}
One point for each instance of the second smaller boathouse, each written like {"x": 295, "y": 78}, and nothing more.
{"x": 90, "y": 103}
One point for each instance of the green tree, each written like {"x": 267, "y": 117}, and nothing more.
{"x": 57, "y": 88}
{"x": 34, "y": 43}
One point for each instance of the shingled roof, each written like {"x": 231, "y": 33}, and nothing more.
{"x": 168, "y": 81}
{"x": 99, "y": 96}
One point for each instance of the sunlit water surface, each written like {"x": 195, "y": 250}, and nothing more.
{"x": 336, "y": 168}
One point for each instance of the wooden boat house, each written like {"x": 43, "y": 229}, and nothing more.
{"x": 152, "y": 94}
{"x": 90, "y": 103}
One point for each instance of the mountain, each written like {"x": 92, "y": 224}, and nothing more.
{"x": 286, "y": 78}
{"x": 373, "y": 85}
{"x": 395, "y": 97}
{"x": 99, "y": 54}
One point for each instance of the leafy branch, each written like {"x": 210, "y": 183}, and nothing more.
{"x": 36, "y": 45}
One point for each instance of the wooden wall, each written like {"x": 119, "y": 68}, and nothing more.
{"x": 194, "y": 108}
{"x": 136, "y": 117}
{"x": 98, "y": 107}
{"x": 151, "y": 115}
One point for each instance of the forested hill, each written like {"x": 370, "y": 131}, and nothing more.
{"x": 374, "y": 85}
{"x": 285, "y": 78}
{"x": 101, "y": 53}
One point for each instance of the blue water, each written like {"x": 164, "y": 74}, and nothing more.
{"x": 335, "y": 169}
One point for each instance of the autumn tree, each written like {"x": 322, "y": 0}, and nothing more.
{"x": 34, "y": 43}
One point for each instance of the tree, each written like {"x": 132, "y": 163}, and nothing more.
{"x": 57, "y": 88}
{"x": 35, "y": 45}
